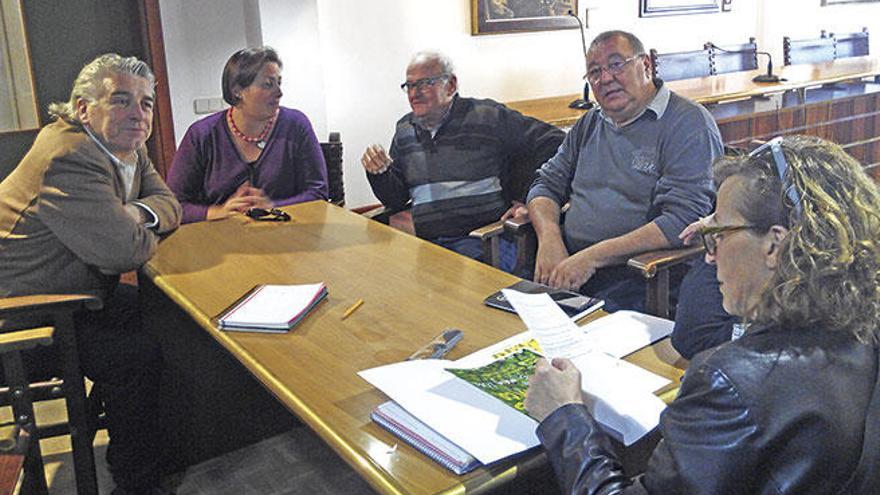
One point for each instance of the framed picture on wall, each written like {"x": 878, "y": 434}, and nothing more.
{"x": 835, "y": 2}
{"x": 651, "y": 8}
{"x": 509, "y": 16}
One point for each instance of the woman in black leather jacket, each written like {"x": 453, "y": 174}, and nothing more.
{"x": 793, "y": 406}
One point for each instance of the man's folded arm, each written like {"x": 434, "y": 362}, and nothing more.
{"x": 79, "y": 205}
{"x": 158, "y": 200}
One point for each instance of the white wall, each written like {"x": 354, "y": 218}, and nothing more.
{"x": 291, "y": 28}
{"x": 199, "y": 37}
{"x": 344, "y": 60}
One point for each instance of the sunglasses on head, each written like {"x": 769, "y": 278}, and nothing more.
{"x": 775, "y": 147}
{"x": 268, "y": 215}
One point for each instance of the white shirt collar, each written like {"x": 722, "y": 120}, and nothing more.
{"x": 126, "y": 170}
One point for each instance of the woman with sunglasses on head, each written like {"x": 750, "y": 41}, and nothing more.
{"x": 256, "y": 154}
{"x": 792, "y": 406}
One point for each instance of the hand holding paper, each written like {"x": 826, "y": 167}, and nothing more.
{"x": 553, "y": 385}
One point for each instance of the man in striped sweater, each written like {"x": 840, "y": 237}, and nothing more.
{"x": 462, "y": 162}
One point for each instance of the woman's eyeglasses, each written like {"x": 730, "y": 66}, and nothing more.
{"x": 268, "y": 215}
{"x": 711, "y": 235}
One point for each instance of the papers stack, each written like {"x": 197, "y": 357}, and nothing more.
{"x": 272, "y": 308}
{"x": 475, "y": 403}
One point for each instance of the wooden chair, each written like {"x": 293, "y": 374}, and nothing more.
{"x": 733, "y": 58}
{"x": 653, "y": 266}
{"x": 681, "y": 65}
{"x": 808, "y": 51}
{"x": 332, "y": 150}
{"x": 20, "y": 450}
{"x": 59, "y": 310}
{"x": 851, "y": 44}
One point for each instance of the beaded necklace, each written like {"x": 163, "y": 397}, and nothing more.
{"x": 260, "y": 140}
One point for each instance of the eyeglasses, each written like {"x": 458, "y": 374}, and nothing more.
{"x": 424, "y": 83}
{"x": 614, "y": 68}
{"x": 268, "y": 215}
{"x": 775, "y": 147}
{"x": 711, "y": 235}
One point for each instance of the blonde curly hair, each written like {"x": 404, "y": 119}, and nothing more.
{"x": 829, "y": 265}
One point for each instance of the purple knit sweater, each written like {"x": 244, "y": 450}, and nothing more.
{"x": 207, "y": 167}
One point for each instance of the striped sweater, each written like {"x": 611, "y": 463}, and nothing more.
{"x": 481, "y": 158}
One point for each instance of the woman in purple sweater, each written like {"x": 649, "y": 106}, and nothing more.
{"x": 255, "y": 154}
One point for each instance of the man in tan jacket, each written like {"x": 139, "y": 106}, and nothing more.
{"x": 84, "y": 205}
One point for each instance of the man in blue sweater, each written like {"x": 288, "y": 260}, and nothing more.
{"x": 463, "y": 162}
{"x": 635, "y": 171}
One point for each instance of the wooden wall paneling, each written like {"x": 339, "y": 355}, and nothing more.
{"x": 874, "y": 171}
{"x": 861, "y": 130}
{"x": 817, "y": 120}
{"x": 735, "y": 131}
{"x": 872, "y": 153}
{"x": 841, "y": 120}
{"x": 767, "y": 125}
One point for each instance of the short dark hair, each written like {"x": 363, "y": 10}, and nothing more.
{"x": 242, "y": 68}
{"x": 634, "y": 42}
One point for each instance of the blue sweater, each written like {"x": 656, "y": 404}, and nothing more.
{"x": 657, "y": 168}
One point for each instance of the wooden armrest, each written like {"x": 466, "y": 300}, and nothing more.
{"x": 486, "y": 232}
{"x": 22, "y": 340}
{"x": 647, "y": 264}
{"x": 518, "y": 225}
{"x": 523, "y": 225}
{"x": 51, "y": 302}
{"x": 379, "y": 213}
{"x": 367, "y": 210}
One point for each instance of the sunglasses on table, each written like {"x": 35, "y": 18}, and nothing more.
{"x": 268, "y": 215}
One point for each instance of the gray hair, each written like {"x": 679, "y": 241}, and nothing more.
{"x": 440, "y": 59}
{"x": 634, "y": 43}
{"x": 88, "y": 83}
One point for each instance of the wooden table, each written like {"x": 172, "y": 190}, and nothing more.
{"x": 413, "y": 290}
{"x": 722, "y": 87}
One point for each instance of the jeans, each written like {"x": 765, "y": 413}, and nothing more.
{"x": 473, "y": 248}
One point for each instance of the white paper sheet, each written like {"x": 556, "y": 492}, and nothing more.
{"x": 485, "y": 427}
{"x": 625, "y": 332}
{"x": 624, "y": 402}
{"x": 488, "y": 429}
{"x": 558, "y": 335}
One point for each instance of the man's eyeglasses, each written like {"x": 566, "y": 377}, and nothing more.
{"x": 268, "y": 215}
{"x": 711, "y": 235}
{"x": 424, "y": 83}
{"x": 775, "y": 147}
{"x": 615, "y": 67}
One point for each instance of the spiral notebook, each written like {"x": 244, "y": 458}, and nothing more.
{"x": 404, "y": 425}
{"x": 271, "y": 308}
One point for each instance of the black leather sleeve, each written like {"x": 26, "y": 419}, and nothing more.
{"x": 711, "y": 445}
{"x": 581, "y": 454}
